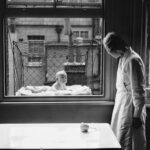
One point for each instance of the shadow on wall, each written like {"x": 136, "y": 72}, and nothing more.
{"x": 148, "y": 128}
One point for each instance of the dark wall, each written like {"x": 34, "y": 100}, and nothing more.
{"x": 148, "y": 128}
{"x": 43, "y": 113}
{"x": 118, "y": 17}
{"x": 126, "y": 18}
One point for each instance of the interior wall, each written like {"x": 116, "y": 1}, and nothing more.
{"x": 148, "y": 128}
{"x": 56, "y": 113}
{"x": 125, "y": 17}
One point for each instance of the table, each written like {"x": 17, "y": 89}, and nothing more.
{"x": 57, "y": 136}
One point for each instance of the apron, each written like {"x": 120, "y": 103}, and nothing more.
{"x": 121, "y": 122}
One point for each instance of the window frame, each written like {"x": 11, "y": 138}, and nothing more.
{"x": 145, "y": 47}
{"x": 54, "y": 12}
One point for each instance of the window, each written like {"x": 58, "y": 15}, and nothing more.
{"x": 47, "y": 46}
{"x": 76, "y": 34}
{"x": 83, "y": 34}
{"x": 36, "y": 50}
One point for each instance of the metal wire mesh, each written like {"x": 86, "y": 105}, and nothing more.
{"x": 18, "y": 67}
{"x": 43, "y": 72}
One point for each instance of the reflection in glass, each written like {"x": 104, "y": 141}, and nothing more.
{"x": 40, "y": 47}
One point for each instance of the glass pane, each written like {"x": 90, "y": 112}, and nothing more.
{"x": 54, "y": 3}
{"x": 39, "y": 48}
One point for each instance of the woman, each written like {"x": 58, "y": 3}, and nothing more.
{"x": 128, "y": 118}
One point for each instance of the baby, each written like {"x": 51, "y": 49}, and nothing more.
{"x": 61, "y": 80}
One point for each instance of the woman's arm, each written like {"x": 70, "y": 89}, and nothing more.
{"x": 137, "y": 80}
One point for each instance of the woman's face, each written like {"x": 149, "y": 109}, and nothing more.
{"x": 115, "y": 53}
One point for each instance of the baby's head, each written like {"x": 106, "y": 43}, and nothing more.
{"x": 61, "y": 77}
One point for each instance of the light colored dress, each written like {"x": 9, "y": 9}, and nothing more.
{"x": 129, "y": 102}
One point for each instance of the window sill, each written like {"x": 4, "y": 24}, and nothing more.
{"x": 34, "y": 65}
{"x": 89, "y": 99}
{"x": 97, "y": 103}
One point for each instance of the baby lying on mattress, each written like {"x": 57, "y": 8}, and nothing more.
{"x": 58, "y": 88}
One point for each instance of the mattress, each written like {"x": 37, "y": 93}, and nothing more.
{"x": 49, "y": 91}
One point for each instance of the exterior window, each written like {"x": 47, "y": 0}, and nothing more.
{"x": 76, "y": 34}
{"x": 36, "y": 50}
{"x": 84, "y": 34}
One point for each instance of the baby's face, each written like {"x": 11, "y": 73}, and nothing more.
{"x": 62, "y": 78}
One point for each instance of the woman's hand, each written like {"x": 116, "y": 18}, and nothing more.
{"x": 137, "y": 122}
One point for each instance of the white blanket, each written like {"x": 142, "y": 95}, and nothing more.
{"x": 49, "y": 91}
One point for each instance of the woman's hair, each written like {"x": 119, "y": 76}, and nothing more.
{"x": 114, "y": 42}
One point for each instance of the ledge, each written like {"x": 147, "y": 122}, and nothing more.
{"x": 106, "y": 103}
